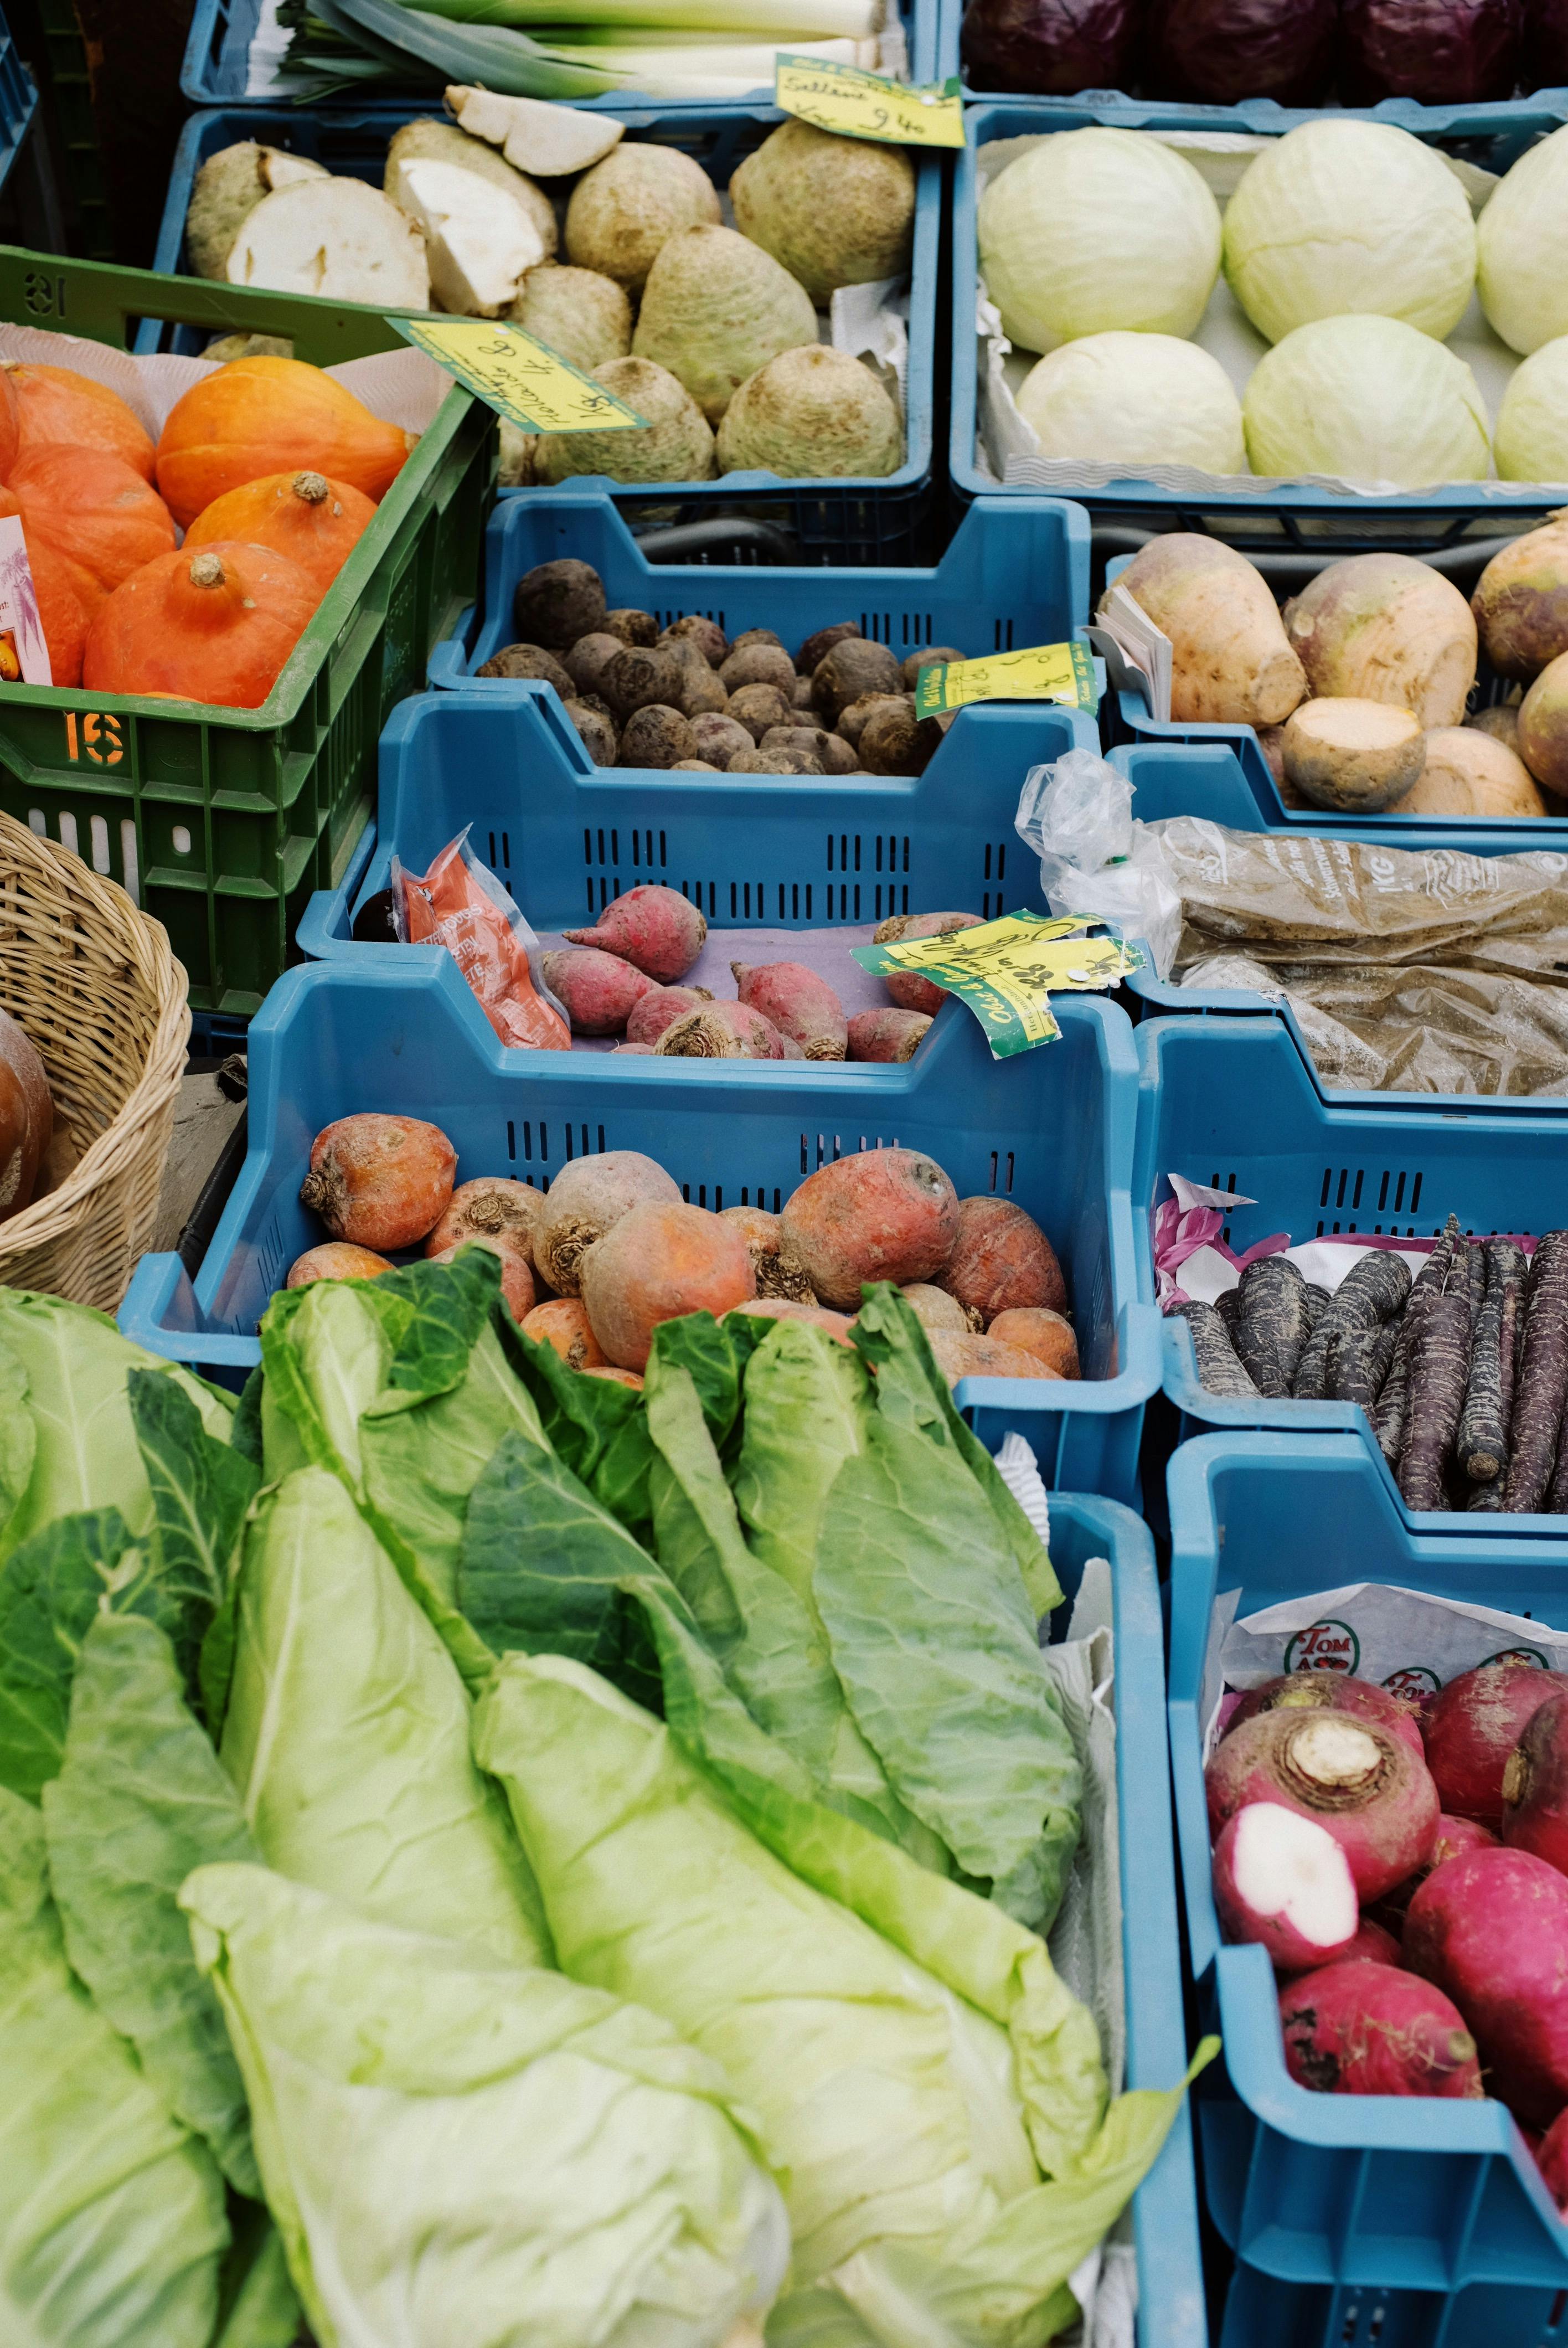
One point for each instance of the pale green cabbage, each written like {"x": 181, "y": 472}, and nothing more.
{"x": 347, "y": 1734}
{"x": 1531, "y": 442}
{"x": 1369, "y": 399}
{"x": 1092, "y": 231}
{"x": 1344, "y": 216}
{"x": 460, "y": 2149}
{"x": 1522, "y": 250}
{"x": 1134, "y": 399}
{"x": 112, "y": 2217}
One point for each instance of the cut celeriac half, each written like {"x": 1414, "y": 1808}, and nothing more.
{"x": 228, "y": 187}
{"x": 533, "y": 135}
{"x": 477, "y": 237}
{"x": 337, "y": 239}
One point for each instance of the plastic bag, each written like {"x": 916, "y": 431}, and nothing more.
{"x": 1076, "y": 816}
{"x": 461, "y": 905}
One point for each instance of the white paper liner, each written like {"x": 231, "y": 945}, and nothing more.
{"x": 1008, "y": 450}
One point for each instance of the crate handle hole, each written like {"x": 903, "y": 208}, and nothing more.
{"x": 182, "y": 839}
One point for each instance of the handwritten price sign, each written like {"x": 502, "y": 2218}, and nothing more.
{"x": 519, "y": 377}
{"x": 864, "y": 106}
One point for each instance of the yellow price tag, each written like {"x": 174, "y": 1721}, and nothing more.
{"x": 1006, "y": 970}
{"x": 1045, "y": 673}
{"x": 519, "y": 377}
{"x": 867, "y": 105}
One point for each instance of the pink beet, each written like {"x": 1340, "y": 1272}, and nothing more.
{"x": 650, "y": 1017}
{"x": 801, "y": 1005}
{"x": 720, "y": 1031}
{"x": 646, "y": 1050}
{"x": 1368, "y": 1788}
{"x": 1330, "y": 1691}
{"x": 909, "y": 990}
{"x": 1552, "y": 2159}
{"x": 1369, "y": 2030}
{"x": 882, "y": 1035}
{"x": 1454, "y": 1838}
{"x": 1283, "y": 1881}
{"x": 1535, "y": 1787}
{"x": 1472, "y": 1727}
{"x": 655, "y": 928}
{"x": 597, "y": 990}
{"x": 1491, "y": 1931}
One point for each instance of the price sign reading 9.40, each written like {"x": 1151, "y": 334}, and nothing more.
{"x": 867, "y": 105}
{"x": 519, "y": 377}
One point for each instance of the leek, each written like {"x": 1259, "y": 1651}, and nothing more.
{"x": 418, "y": 46}
{"x": 784, "y": 22}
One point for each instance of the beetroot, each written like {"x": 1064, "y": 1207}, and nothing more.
{"x": 1472, "y": 1727}
{"x": 1454, "y": 1838}
{"x": 882, "y": 1035}
{"x": 655, "y": 1010}
{"x": 1552, "y": 2159}
{"x": 516, "y": 1278}
{"x": 656, "y": 1263}
{"x": 1367, "y": 2030}
{"x": 779, "y": 1271}
{"x": 799, "y": 1004}
{"x": 1332, "y": 1692}
{"x": 786, "y": 1308}
{"x": 909, "y": 990}
{"x": 644, "y": 1051}
{"x": 1002, "y": 1261}
{"x": 1491, "y": 1929}
{"x": 965, "y": 1355}
{"x": 655, "y": 928}
{"x": 720, "y": 1031}
{"x": 1035, "y": 1329}
{"x": 596, "y": 990}
{"x": 563, "y": 1325}
{"x": 1535, "y": 1787}
{"x": 886, "y": 1214}
{"x": 1282, "y": 1880}
{"x": 335, "y": 1259}
{"x": 492, "y": 1208}
{"x": 585, "y": 1199}
{"x": 381, "y": 1183}
{"x": 1368, "y": 1788}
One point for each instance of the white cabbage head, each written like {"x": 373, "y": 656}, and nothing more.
{"x": 1135, "y": 399}
{"x": 1369, "y": 398}
{"x": 1531, "y": 443}
{"x": 1523, "y": 245}
{"x": 1341, "y": 217}
{"x": 1098, "y": 231}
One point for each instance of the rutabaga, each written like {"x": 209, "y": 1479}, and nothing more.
{"x": 457, "y": 2147}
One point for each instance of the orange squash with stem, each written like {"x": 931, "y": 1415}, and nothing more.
{"x": 255, "y": 417}
{"x": 56, "y": 408}
{"x": 99, "y": 517}
{"x": 214, "y": 624}
{"x": 315, "y": 521}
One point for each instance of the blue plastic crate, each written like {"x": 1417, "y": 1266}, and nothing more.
{"x": 401, "y": 1030}
{"x": 215, "y": 68}
{"x": 18, "y": 102}
{"x": 1419, "y": 2199}
{"x": 891, "y": 520}
{"x": 1015, "y": 573}
{"x": 1261, "y": 2308}
{"x": 1330, "y": 522}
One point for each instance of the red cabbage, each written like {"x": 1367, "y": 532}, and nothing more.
{"x": 1545, "y": 60}
{"x": 1222, "y": 51}
{"x": 1050, "y": 48}
{"x": 1443, "y": 52}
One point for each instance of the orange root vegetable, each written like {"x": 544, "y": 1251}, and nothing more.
{"x": 886, "y": 1214}
{"x": 1037, "y": 1330}
{"x": 586, "y": 1200}
{"x": 720, "y": 1031}
{"x": 935, "y": 1309}
{"x": 656, "y": 1263}
{"x": 517, "y": 1279}
{"x": 786, "y": 1308}
{"x": 100, "y": 516}
{"x": 909, "y": 990}
{"x": 982, "y": 1357}
{"x": 597, "y": 989}
{"x": 654, "y": 928}
{"x": 563, "y": 1323}
{"x": 380, "y": 1181}
{"x": 883, "y": 1035}
{"x": 778, "y": 1270}
{"x": 493, "y": 1207}
{"x": 1001, "y": 1260}
{"x": 658, "y": 1008}
{"x": 334, "y": 1259}
{"x": 801, "y": 1005}
{"x": 643, "y": 1051}
{"x": 620, "y": 1377}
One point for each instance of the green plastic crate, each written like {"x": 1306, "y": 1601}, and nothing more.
{"x": 220, "y": 825}
{"x": 71, "y": 89}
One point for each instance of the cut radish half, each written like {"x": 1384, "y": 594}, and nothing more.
{"x": 1283, "y": 1881}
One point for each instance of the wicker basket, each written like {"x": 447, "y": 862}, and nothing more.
{"x": 96, "y": 988}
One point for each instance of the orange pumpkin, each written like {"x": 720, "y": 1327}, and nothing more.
{"x": 56, "y": 408}
{"x": 255, "y": 417}
{"x": 213, "y": 626}
{"x": 100, "y": 518}
{"x": 316, "y": 522}
{"x": 10, "y": 423}
{"x": 61, "y": 613}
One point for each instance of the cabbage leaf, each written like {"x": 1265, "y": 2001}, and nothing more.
{"x": 51, "y": 1587}
{"x": 453, "y": 2143}
{"x": 260, "y": 2308}
{"x": 112, "y": 2217}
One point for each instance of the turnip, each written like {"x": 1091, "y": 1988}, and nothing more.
{"x": 1367, "y": 2030}
{"x": 1469, "y": 772}
{"x": 1357, "y": 756}
{"x": 1491, "y": 1929}
{"x": 1232, "y": 661}
{"x": 1520, "y": 602}
{"x": 1366, "y": 1787}
{"x": 1535, "y": 1787}
{"x": 1374, "y": 1944}
{"x": 1384, "y": 627}
{"x": 1472, "y": 1727}
{"x": 1283, "y": 1881}
{"x": 1454, "y": 1838}
{"x": 1330, "y": 1691}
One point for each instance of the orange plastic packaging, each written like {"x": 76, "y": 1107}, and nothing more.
{"x": 461, "y": 905}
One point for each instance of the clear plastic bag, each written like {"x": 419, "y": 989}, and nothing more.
{"x": 1077, "y": 816}
{"x": 459, "y": 904}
